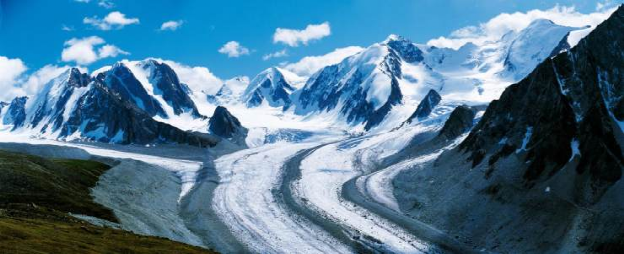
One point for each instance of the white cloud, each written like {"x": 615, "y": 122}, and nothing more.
{"x": 110, "y": 51}
{"x": 67, "y": 28}
{"x": 233, "y": 49}
{"x": 106, "y": 4}
{"x": 83, "y": 50}
{"x": 281, "y": 53}
{"x": 39, "y": 78}
{"x": 496, "y": 27}
{"x": 82, "y": 1}
{"x": 171, "y": 25}
{"x": 196, "y": 78}
{"x": 114, "y": 20}
{"x": 293, "y": 37}
{"x": 311, "y": 64}
{"x": 10, "y": 72}
{"x": 604, "y": 5}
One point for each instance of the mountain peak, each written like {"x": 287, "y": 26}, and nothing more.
{"x": 269, "y": 85}
{"x": 431, "y": 100}
{"x": 394, "y": 37}
{"x": 225, "y": 125}
{"x": 77, "y": 78}
{"x": 539, "y": 22}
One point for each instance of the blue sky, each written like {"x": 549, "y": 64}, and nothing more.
{"x": 31, "y": 30}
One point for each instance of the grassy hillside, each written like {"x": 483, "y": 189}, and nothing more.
{"x": 36, "y": 195}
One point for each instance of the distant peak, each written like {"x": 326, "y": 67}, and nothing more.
{"x": 539, "y": 23}
{"x": 118, "y": 65}
{"x": 395, "y": 37}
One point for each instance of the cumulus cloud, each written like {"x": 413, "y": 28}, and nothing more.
{"x": 171, "y": 25}
{"x": 114, "y": 20}
{"x": 82, "y": 1}
{"x": 281, "y": 53}
{"x": 110, "y": 51}
{"x": 11, "y": 71}
{"x": 311, "y": 64}
{"x": 234, "y": 49}
{"x": 87, "y": 50}
{"x": 496, "y": 27}
{"x": 293, "y": 37}
{"x": 39, "y": 78}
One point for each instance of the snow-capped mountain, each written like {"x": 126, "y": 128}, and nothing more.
{"x": 112, "y": 107}
{"x": 364, "y": 87}
{"x": 123, "y": 81}
{"x": 548, "y": 152}
{"x": 387, "y": 78}
{"x": 230, "y": 92}
{"x": 576, "y": 111}
{"x": 269, "y": 86}
{"x": 380, "y": 86}
{"x": 525, "y": 50}
{"x": 14, "y": 113}
{"x": 167, "y": 87}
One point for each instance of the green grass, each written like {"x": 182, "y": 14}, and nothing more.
{"x": 36, "y": 195}
{"x": 62, "y": 185}
{"x": 50, "y": 232}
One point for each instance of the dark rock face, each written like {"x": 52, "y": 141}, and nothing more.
{"x": 573, "y": 98}
{"x": 425, "y": 107}
{"x": 406, "y": 49}
{"x": 16, "y": 112}
{"x": 458, "y": 122}
{"x": 104, "y": 116}
{"x": 224, "y": 124}
{"x": 168, "y": 85}
{"x": 121, "y": 81}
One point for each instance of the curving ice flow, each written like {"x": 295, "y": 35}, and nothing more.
{"x": 245, "y": 201}
{"x": 323, "y": 174}
{"x": 377, "y": 185}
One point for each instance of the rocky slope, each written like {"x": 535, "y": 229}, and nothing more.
{"x": 15, "y": 112}
{"x": 223, "y": 124}
{"x": 426, "y": 106}
{"x": 37, "y": 197}
{"x": 541, "y": 172}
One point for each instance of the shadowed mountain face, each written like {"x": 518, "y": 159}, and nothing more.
{"x": 15, "y": 112}
{"x": 458, "y": 122}
{"x": 542, "y": 170}
{"x": 105, "y": 117}
{"x": 121, "y": 80}
{"x": 225, "y": 125}
{"x": 426, "y": 105}
{"x": 167, "y": 85}
{"x": 569, "y": 107}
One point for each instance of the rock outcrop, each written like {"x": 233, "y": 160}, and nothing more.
{"x": 425, "y": 106}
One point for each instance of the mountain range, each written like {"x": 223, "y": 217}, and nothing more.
{"x": 378, "y": 87}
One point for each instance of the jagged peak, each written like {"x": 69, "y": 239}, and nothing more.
{"x": 395, "y": 37}
{"x": 222, "y": 123}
